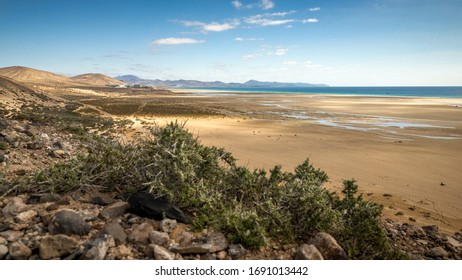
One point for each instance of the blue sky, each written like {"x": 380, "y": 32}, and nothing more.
{"x": 350, "y": 43}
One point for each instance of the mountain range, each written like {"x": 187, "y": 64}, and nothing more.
{"x": 131, "y": 79}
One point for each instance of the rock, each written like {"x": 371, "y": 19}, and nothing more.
{"x": 431, "y": 230}
{"x": 195, "y": 248}
{"x": 414, "y": 231}
{"x": 36, "y": 145}
{"x": 3, "y": 251}
{"x": 89, "y": 215}
{"x": 2, "y": 157}
{"x": 235, "y": 251}
{"x": 438, "y": 253}
{"x": 159, "y": 238}
{"x": 328, "y": 246}
{"x": 218, "y": 242}
{"x": 120, "y": 252}
{"x": 451, "y": 241}
{"x": 222, "y": 255}
{"x": 58, "y": 145}
{"x": 19, "y": 251}
{"x": 159, "y": 253}
{"x": 115, "y": 210}
{"x": 146, "y": 205}
{"x": 185, "y": 238}
{"x": 20, "y": 172}
{"x": 68, "y": 222}
{"x": 115, "y": 230}
{"x": 3, "y": 241}
{"x": 4, "y": 226}
{"x": 141, "y": 233}
{"x": 14, "y": 207}
{"x": 101, "y": 200}
{"x": 97, "y": 248}
{"x": 43, "y": 198}
{"x": 11, "y": 235}
{"x": 57, "y": 246}
{"x": 26, "y": 217}
{"x": 167, "y": 225}
{"x": 308, "y": 252}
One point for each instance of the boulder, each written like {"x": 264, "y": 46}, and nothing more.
{"x": 438, "y": 253}
{"x": 3, "y": 251}
{"x": 57, "y": 246}
{"x": 68, "y": 222}
{"x": 159, "y": 238}
{"x": 140, "y": 234}
{"x": 115, "y": 230}
{"x": 26, "y": 217}
{"x": 97, "y": 248}
{"x": 159, "y": 253}
{"x": 218, "y": 242}
{"x": 115, "y": 210}
{"x": 308, "y": 252}
{"x": 146, "y": 205}
{"x": 328, "y": 246}
{"x": 19, "y": 251}
{"x": 14, "y": 207}
{"x": 168, "y": 225}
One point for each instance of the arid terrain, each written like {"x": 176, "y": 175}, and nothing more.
{"x": 405, "y": 153}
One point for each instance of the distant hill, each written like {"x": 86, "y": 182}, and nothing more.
{"x": 15, "y": 92}
{"x": 39, "y": 77}
{"x": 131, "y": 79}
{"x": 96, "y": 79}
{"x": 34, "y": 76}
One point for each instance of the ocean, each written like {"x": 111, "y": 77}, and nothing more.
{"x": 442, "y": 92}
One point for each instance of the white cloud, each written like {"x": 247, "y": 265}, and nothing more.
{"x": 176, "y": 41}
{"x": 261, "y": 20}
{"x": 237, "y": 4}
{"x": 240, "y": 39}
{"x": 315, "y": 9}
{"x": 310, "y": 20}
{"x": 290, "y": 62}
{"x": 281, "y": 51}
{"x": 211, "y": 27}
{"x": 266, "y": 4}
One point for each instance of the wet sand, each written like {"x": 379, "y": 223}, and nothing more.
{"x": 405, "y": 153}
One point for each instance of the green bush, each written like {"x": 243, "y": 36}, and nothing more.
{"x": 252, "y": 207}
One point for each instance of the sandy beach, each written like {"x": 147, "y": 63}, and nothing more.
{"x": 405, "y": 153}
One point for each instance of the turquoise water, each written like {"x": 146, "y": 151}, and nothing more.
{"x": 447, "y": 92}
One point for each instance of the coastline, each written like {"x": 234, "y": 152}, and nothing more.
{"x": 393, "y": 165}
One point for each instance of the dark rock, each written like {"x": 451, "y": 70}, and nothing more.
{"x": 68, "y": 222}
{"x": 2, "y": 157}
{"x": 57, "y": 246}
{"x": 20, "y": 172}
{"x": 43, "y": 198}
{"x": 195, "y": 248}
{"x": 438, "y": 253}
{"x": 431, "y": 230}
{"x": 235, "y": 251}
{"x": 115, "y": 210}
{"x": 146, "y": 205}
{"x": 19, "y": 251}
{"x": 102, "y": 201}
{"x": 35, "y": 145}
{"x": 97, "y": 248}
{"x": 4, "y": 226}
{"x": 308, "y": 252}
{"x": 328, "y": 246}
{"x": 115, "y": 230}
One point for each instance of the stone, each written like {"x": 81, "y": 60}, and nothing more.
{"x": 14, "y": 207}
{"x": 57, "y": 246}
{"x": 115, "y": 210}
{"x": 308, "y": 252}
{"x": 43, "y": 198}
{"x": 185, "y": 238}
{"x": 414, "y": 231}
{"x": 89, "y": 215}
{"x": 168, "y": 225}
{"x": 20, "y": 172}
{"x": 115, "y": 230}
{"x": 3, "y": 241}
{"x": 159, "y": 238}
{"x": 218, "y": 242}
{"x": 195, "y": 248}
{"x": 120, "y": 252}
{"x": 222, "y": 255}
{"x": 438, "y": 253}
{"x": 328, "y": 246}
{"x": 26, "y": 217}
{"x": 148, "y": 206}
{"x": 454, "y": 242}
{"x": 97, "y": 248}
{"x": 19, "y": 251}
{"x": 36, "y": 145}
{"x": 3, "y": 251}
{"x": 11, "y": 235}
{"x": 159, "y": 253}
{"x": 141, "y": 233}
{"x": 68, "y": 222}
{"x": 431, "y": 230}
{"x": 235, "y": 251}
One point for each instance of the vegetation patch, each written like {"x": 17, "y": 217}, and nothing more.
{"x": 252, "y": 207}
